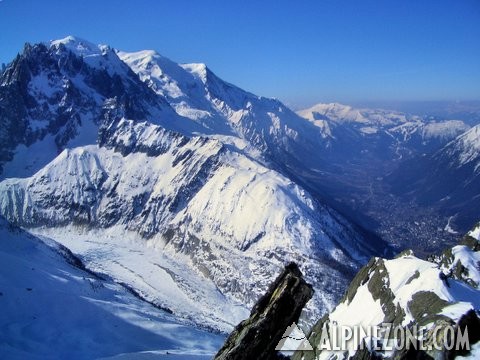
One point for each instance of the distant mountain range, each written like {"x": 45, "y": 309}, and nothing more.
{"x": 392, "y": 134}
{"x": 382, "y": 169}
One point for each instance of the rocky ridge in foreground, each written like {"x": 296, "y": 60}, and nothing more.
{"x": 437, "y": 294}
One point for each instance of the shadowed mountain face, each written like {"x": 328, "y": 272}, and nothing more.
{"x": 341, "y": 155}
{"x": 53, "y": 98}
{"x": 448, "y": 178}
{"x": 61, "y": 92}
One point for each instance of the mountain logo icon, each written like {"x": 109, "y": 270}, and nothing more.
{"x": 294, "y": 339}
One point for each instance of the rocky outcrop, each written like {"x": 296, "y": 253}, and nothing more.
{"x": 437, "y": 301}
{"x": 51, "y": 91}
{"x": 257, "y": 336}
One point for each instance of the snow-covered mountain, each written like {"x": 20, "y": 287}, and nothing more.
{"x": 464, "y": 150}
{"x": 408, "y": 291}
{"x": 364, "y": 147}
{"x": 199, "y": 203}
{"x": 448, "y": 178}
{"x": 265, "y": 125}
{"x": 64, "y": 89}
{"x": 193, "y": 175}
{"x": 52, "y": 308}
{"x": 54, "y": 96}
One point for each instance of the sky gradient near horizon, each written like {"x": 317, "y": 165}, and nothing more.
{"x": 301, "y": 52}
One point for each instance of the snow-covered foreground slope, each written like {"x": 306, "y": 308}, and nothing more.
{"x": 215, "y": 224}
{"x": 52, "y": 309}
{"x": 409, "y": 291}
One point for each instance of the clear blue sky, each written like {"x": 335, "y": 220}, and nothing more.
{"x": 299, "y": 51}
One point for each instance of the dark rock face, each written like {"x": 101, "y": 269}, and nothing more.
{"x": 257, "y": 336}
{"x": 471, "y": 323}
{"x": 471, "y": 242}
{"x": 111, "y": 132}
{"x": 457, "y": 270}
{"x": 52, "y": 91}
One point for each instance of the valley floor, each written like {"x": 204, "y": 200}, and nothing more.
{"x": 359, "y": 192}
{"x": 407, "y": 225}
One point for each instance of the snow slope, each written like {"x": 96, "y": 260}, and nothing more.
{"x": 475, "y": 232}
{"x": 195, "y": 92}
{"x": 465, "y": 150}
{"x": 188, "y": 202}
{"x": 52, "y": 309}
{"x": 193, "y": 175}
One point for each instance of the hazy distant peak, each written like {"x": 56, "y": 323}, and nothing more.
{"x": 333, "y": 111}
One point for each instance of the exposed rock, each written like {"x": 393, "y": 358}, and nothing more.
{"x": 50, "y": 91}
{"x": 435, "y": 300}
{"x": 257, "y": 336}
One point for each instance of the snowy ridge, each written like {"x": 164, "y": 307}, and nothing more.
{"x": 170, "y": 80}
{"x": 78, "y": 46}
{"x": 475, "y": 232}
{"x": 55, "y": 96}
{"x": 333, "y": 111}
{"x": 404, "y": 127}
{"x": 196, "y": 168}
{"x": 463, "y": 256}
{"x": 447, "y": 129}
{"x": 203, "y": 204}
{"x": 174, "y": 174}
{"x": 100, "y": 57}
{"x": 196, "y": 93}
{"x": 448, "y": 178}
{"x": 176, "y": 183}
